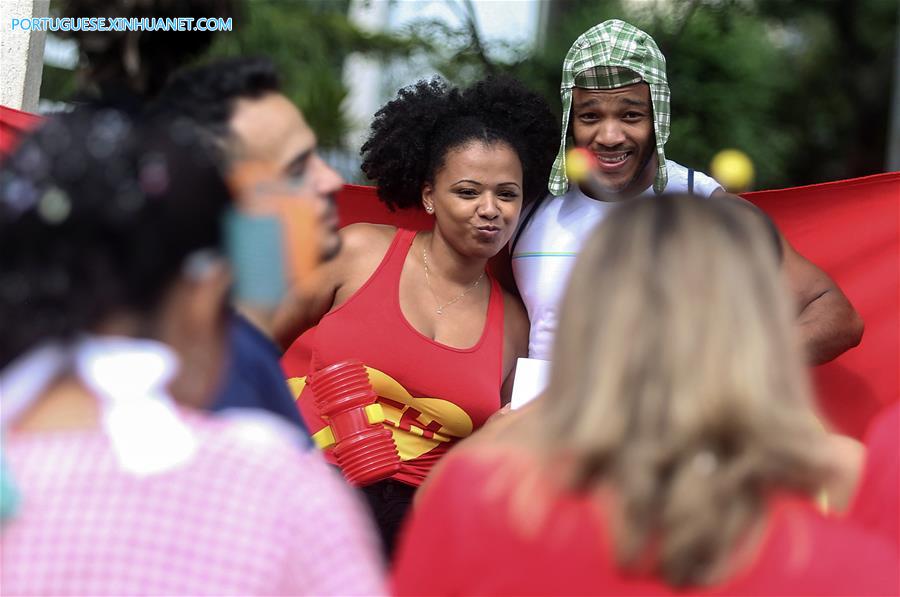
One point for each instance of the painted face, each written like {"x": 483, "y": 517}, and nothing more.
{"x": 272, "y": 129}
{"x": 617, "y": 126}
{"x": 476, "y": 197}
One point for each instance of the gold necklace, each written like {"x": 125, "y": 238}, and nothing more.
{"x": 440, "y": 308}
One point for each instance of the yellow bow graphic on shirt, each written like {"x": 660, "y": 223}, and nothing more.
{"x": 418, "y": 425}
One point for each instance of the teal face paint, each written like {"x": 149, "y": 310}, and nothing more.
{"x": 255, "y": 247}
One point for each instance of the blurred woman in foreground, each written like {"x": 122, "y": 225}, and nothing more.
{"x": 675, "y": 447}
{"x": 113, "y": 293}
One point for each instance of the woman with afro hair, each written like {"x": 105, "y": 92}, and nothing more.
{"x": 438, "y": 334}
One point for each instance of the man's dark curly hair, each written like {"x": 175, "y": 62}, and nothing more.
{"x": 411, "y": 135}
{"x": 205, "y": 96}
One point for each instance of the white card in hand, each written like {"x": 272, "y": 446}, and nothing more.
{"x": 531, "y": 379}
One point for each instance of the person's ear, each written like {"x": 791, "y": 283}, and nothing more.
{"x": 428, "y": 198}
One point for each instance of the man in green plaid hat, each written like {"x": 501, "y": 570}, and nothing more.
{"x": 615, "y": 69}
{"x": 615, "y": 100}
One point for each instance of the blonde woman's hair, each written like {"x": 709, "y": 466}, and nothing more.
{"x": 678, "y": 383}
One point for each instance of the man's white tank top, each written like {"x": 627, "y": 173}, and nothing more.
{"x": 545, "y": 252}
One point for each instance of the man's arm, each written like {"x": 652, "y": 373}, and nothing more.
{"x": 828, "y": 324}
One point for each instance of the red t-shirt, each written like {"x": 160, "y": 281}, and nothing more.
{"x": 876, "y": 505}
{"x": 465, "y": 538}
{"x": 432, "y": 395}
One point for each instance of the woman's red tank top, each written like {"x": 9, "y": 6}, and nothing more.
{"x": 432, "y": 395}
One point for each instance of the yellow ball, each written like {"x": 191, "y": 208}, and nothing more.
{"x": 733, "y": 170}
{"x": 579, "y": 163}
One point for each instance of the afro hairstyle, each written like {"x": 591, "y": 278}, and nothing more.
{"x": 412, "y": 134}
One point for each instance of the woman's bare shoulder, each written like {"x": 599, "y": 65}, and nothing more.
{"x": 366, "y": 237}
{"x": 362, "y": 245}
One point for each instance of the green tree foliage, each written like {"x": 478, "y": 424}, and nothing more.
{"x": 841, "y": 66}
{"x": 309, "y": 41}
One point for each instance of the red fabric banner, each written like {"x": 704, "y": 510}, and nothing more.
{"x": 357, "y": 204}
{"x": 13, "y": 124}
{"x": 849, "y": 228}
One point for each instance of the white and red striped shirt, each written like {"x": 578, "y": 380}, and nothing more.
{"x": 250, "y": 514}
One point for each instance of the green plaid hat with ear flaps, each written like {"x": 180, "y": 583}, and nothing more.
{"x": 607, "y": 56}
